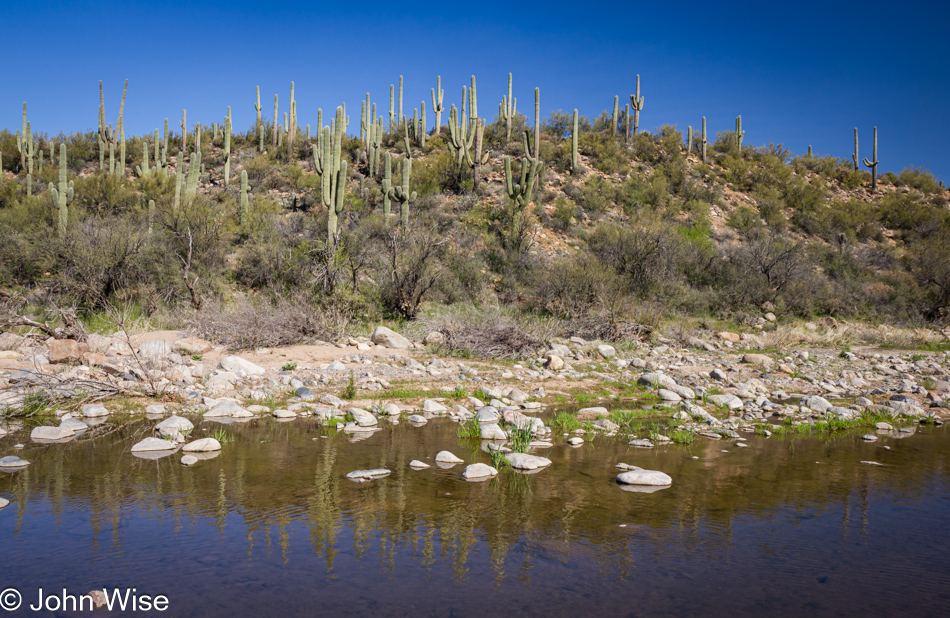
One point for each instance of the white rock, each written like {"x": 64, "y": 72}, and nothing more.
{"x": 491, "y": 431}
{"x": 389, "y": 339}
{"x": 606, "y": 351}
{"x": 51, "y": 433}
{"x": 155, "y": 348}
{"x": 415, "y": 464}
{"x": 417, "y": 419}
{"x": 392, "y": 409}
{"x": 644, "y": 477}
{"x": 153, "y": 444}
{"x": 478, "y": 471}
{"x": 575, "y": 441}
{"x": 362, "y": 476}
{"x": 3, "y": 503}
{"x": 189, "y": 460}
{"x": 641, "y": 443}
{"x": 332, "y": 400}
{"x": 203, "y": 445}
{"x": 431, "y": 405}
{"x": 729, "y": 401}
{"x": 175, "y": 424}
{"x": 226, "y": 408}
{"x": 92, "y": 410}
{"x": 447, "y": 457}
{"x": 74, "y": 424}
{"x": 524, "y": 461}
{"x": 362, "y": 417}
{"x": 336, "y": 366}
{"x": 284, "y": 414}
{"x": 654, "y": 379}
{"x": 12, "y": 461}
{"x": 240, "y": 366}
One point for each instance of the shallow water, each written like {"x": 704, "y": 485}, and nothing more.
{"x": 787, "y": 527}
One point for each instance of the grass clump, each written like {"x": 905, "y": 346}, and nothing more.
{"x": 222, "y": 436}
{"x": 567, "y": 422}
{"x": 288, "y": 366}
{"x": 349, "y": 392}
{"x": 470, "y": 429}
{"x": 519, "y": 438}
{"x": 682, "y": 436}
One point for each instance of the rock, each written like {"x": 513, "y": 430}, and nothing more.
{"x": 189, "y": 460}
{"x": 92, "y": 410}
{"x": 884, "y": 426}
{"x": 336, "y": 366}
{"x": 644, "y": 477}
{"x": 718, "y": 374}
{"x": 12, "y": 461}
{"x": 770, "y": 317}
{"x": 175, "y": 424}
{"x": 415, "y": 464}
{"x": 575, "y": 441}
{"x": 203, "y": 445}
{"x": 332, "y": 400}
{"x": 11, "y": 341}
{"x": 727, "y": 336}
{"x": 760, "y": 360}
{"x": 226, "y": 409}
{"x": 558, "y": 349}
{"x": 447, "y": 457}
{"x": 554, "y": 363}
{"x": 51, "y": 433}
{"x": 518, "y": 396}
{"x": 487, "y": 414}
{"x": 417, "y": 419}
{"x": 284, "y": 414}
{"x": 73, "y": 424}
{"x": 606, "y": 351}
{"x": 4, "y": 503}
{"x": 155, "y": 409}
{"x": 306, "y": 394}
{"x": 155, "y": 348}
{"x": 871, "y": 463}
{"x": 869, "y": 437}
{"x": 606, "y": 424}
{"x": 153, "y": 444}
{"x": 491, "y": 431}
{"x": 524, "y": 461}
{"x": 641, "y": 443}
{"x": 362, "y": 417}
{"x": 189, "y": 346}
{"x": 589, "y": 414}
{"x": 240, "y": 367}
{"x": 392, "y": 409}
{"x": 729, "y": 401}
{"x": 816, "y": 403}
{"x": 433, "y": 406}
{"x": 668, "y": 395}
{"x": 433, "y": 337}
{"x": 66, "y": 351}
{"x": 656, "y": 380}
{"x": 362, "y": 476}
{"x": 479, "y": 471}
{"x": 389, "y": 339}
{"x": 828, "y": 322}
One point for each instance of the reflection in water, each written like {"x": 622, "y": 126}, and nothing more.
{"x": 273, "y": 515}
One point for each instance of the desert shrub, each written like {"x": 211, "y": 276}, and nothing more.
{"x": 574, "y": 285}
{"x": 643, "y": 256}
{"x": 488, "y": 332}
{"x": 605, "y": 152}
{"x": 410, "y": 265}
{"x": 744, "y": 219}
{"x": 919, "y": 178}
{"x": 596, "y": 195}
{"x": 640, "y": 192}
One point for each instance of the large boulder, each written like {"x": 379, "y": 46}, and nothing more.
{"x": 66, "y": 351}
{"x": 93, "y": 410}
{"x": 729, "y": 401}
{"x": 654, "y": 379}
{"x": 644, "y": 477}
{"x": 51, "y": 433}
{"x": 362, "y": 417}
{"x": 447, "y": 457}
{"x": 227, "y": 409}
{"x": 491, "y": 431}
{"x": 389, "y": 339}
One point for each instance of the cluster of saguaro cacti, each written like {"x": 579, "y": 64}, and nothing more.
{"x": 519, "y": 193}
{"x": 872, "y": 164}
{"x": 329, "y": 163}
{"x": 63, "y": 195}
{"x": 636, "y": 104}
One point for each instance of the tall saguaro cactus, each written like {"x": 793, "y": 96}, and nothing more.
{"x": 63, "y": 195}
{"x": 636, "y": 104}
{"x": 184, "y": 132}
{"x": 402, "y": 194}
{"x": 120, "y": 129}
{"x": 574, "y": 137}
{"x": 292, "y": 126}
{"x": 689, "y": 140}
{"x": 614, "y": 116}
{"x": 274, "y": 130}
{"x": 387, "y": 184}
{"x": 227, "y": 148}
{"x": 519, "y": 193}
{"x": 422, "y": 125}
{"x": 873, "y": 163}
{"x": 507, "y": 110}
{"x": 537, "y": 123}
{"x": 854, "y": 157}
{"x": 402, "y": 118}
{"x": 739, "y": 132}
{"x": 260, "y": 123}
{"x": 704, "y": 141}
{"x": 437, "y": 94}
{"x": 194, "y": 171}
{"x": 245, "y": 202}
{"x": 332, "y": 169}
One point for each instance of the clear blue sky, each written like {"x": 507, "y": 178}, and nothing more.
{"x": 798, "y": 73}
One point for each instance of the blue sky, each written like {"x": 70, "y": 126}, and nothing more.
{"x": 798, "y": 73}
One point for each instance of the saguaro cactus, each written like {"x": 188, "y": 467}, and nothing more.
{"x": 854, "y": 157}
{"x": 387, "y": 184}
{"x": 873, "y": 163}
{"x": 332, "y": 169}
{"x": 392, "y": 108}
{"x": 227, "y": 148}
{"x": 194, "y": 171}
{"x": 519, "y": 194}
{"x": 151, "y": 216}
{"x": 689, "y": 140}
{"x": 245, "y": 203}
{"x": 184, "y": 131}
{"x": 402, "y": 118}
{"x": 292, "y": 126}
{"x": 460, "y": 138}
{"x": 574, "y": 137}
{"x": 402, "y": 194}
{"x": 120, "y": 129}
{"x": 477, "y": 158}
{"x": 739, "y": 132}
{"x": 507, "y": 110}
{"x": 422, "y": 125}
{"x": 143, "y": 169}
{"x": 260, "y": 123}
{"x": 274, "y": 131}
{"x": 704, "y": 141}
{"x": 614, "y": 116}
{"x": 636, "y": 104}
{"x": 437, "y": 94}
{"x": 62, "y": 196}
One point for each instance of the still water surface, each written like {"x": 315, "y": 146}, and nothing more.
{"x": 787, "y": 527}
